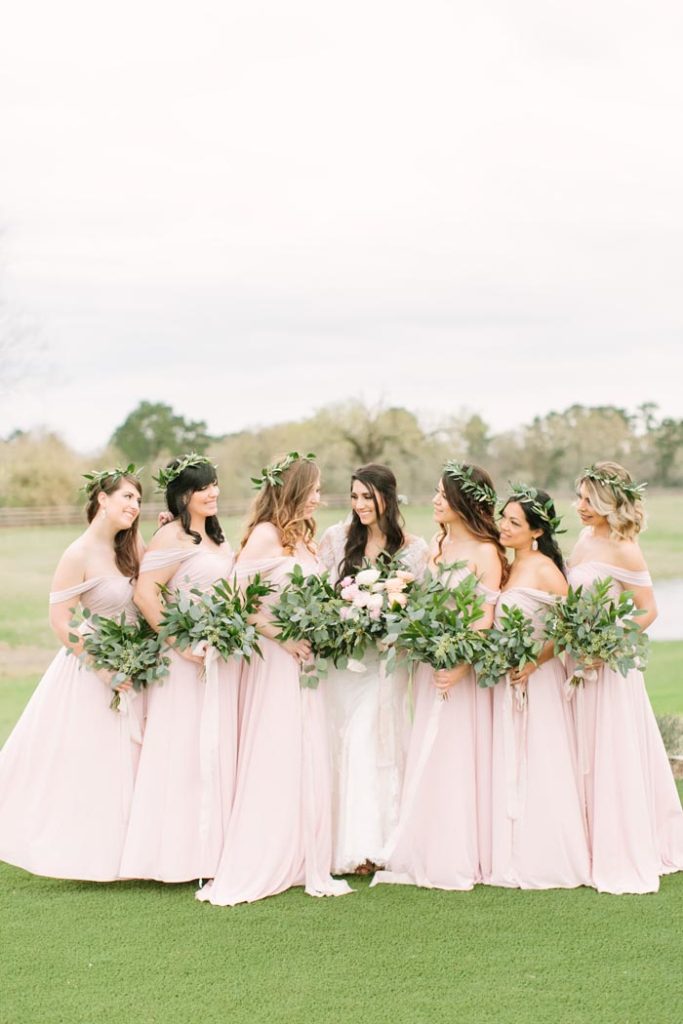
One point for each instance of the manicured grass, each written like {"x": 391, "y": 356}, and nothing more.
{"x": 148, "y": 953}
{"x": 664, "y": 677}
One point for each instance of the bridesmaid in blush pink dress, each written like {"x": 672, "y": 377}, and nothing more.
{"x": 184, "y": 786}
{"x": 635, "y": 818}
{"x": 443, "y": 838}
{"x": 538, "y": 828}
{"x": 280, "y": 831}
{"x": 67, "y": 769}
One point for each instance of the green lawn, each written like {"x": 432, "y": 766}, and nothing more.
{"x": 150, "y": 954}
{"x": 142, "y": 953}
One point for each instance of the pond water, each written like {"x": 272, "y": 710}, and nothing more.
{"x": 669, "y": 623}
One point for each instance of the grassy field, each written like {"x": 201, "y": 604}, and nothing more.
{"x": 78, "y": 953}
{"x": 150, "y": 954}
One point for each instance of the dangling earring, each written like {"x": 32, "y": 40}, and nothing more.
{"x": 104, "y": 512}
{"x": 534, "y": 545}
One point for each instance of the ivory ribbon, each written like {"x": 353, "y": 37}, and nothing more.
{"x": 209, "y": 735}
{"x": 514, "y": 728}
{"x": 129, "y": 733}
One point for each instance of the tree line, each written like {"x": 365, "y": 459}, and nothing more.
{"x": 39, "y": 469}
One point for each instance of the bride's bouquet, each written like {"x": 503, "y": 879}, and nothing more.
{"x": 215, "y": 619}
{"x": 128, "y": 652}
{"x": 437, "y": 626}
{"x": 341, "y": 624}
{"x": 592, "y": 626}
{"x": 507, "y": 646}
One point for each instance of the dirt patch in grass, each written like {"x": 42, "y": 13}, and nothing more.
{"x": 23, "y": 661}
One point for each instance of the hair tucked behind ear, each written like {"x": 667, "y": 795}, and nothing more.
{"x": 179, "y": 493}
{"x": 547, "y": 542}
{"x": 126, "y": 544}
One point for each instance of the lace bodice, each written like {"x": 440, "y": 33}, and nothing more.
{"x": 414, "y": 555}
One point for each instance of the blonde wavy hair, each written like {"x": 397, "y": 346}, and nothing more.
{"x": 283, "y": 506}
{"x": 625, "y": 517}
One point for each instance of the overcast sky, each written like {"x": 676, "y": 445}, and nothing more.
{"x": 249, "y": 210}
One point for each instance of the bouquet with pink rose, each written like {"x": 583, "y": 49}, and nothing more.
{"x": 375, "y": 598}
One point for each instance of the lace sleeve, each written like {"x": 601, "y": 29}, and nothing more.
{"x": 331, "y": 549}
{"x": 416, "y": 557}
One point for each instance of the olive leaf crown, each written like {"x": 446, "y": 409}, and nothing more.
{"x": 620, "y": 488}
{"x": 273, "y": 474}
{"x": 166, "y": 476}
{"x": 95, "y": 480}
{"x": 482, "y": 493}
{"x": 543, "y": 509}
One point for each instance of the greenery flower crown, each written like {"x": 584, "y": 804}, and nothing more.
{"x": 544, "y": 510}
{"x": 620, "y": 488}
{"x": 273, "y": 474}
{"x": 96, "y": 479}
{"x": 482, "y": 493}
{"x": 166, "y": 476}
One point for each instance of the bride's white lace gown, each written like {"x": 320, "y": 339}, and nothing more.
{"x": 369, "y": 725}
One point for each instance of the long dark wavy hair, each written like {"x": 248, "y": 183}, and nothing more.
{"x": 547, "y": 542}
{"x": 179, "y": 492}
{"x": 478, "y": 516}
{"x": 126, "y": 544}
{"x": 379, "y": 480}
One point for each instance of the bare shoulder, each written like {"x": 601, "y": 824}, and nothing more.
{"x": 550, "y": 578}
{"x": 264, "y": 542}
{"x": 629, "y": 556}
{"x": 71, "y": 567}
{"x": 487, "y": 564}
{"x": 169, "y": 536}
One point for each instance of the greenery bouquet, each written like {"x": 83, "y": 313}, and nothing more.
{"x": 507, "y": 646}
{"x": 437, "y": 626}
{"x": 592, "y": 626}
{"x": 341, "y": 624}
{"x": 217, "y": 618}
{"x": 131, "y": 651}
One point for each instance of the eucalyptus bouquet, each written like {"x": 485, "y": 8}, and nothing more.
{"x": 507, "y": 646}
{"x": 132, "y": 651}
{"x": 591, "y": 625}
{"x": 437, "y": 627}
{"x": 216, "y": 618}
{"x": 309, "y": 608}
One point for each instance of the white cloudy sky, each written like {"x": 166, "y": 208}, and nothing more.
{"x": 252, "y": 209}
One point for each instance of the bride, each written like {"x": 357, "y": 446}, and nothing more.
{"x": 367, "y": 710}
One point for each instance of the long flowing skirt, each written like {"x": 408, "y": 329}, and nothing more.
{"x": 185, "y": 782}
{"x": 279, "y": 834}
{"x": 538, "y": 824}
{"x": 443, "y": 837}
{"x": 635, "y": 819}
{"x": 66, "y": 777}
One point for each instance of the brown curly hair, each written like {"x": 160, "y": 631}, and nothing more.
{"x": 283, "y": 506}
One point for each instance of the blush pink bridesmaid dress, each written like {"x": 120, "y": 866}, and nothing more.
{"x": 280, "y": 830}
{"x": 67, "y": 770}
{"x": 539, "y": 838}
{"x": 184, "y": 785}
{"x": 443, "y": 838}
{"x": 635, "y": 819}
